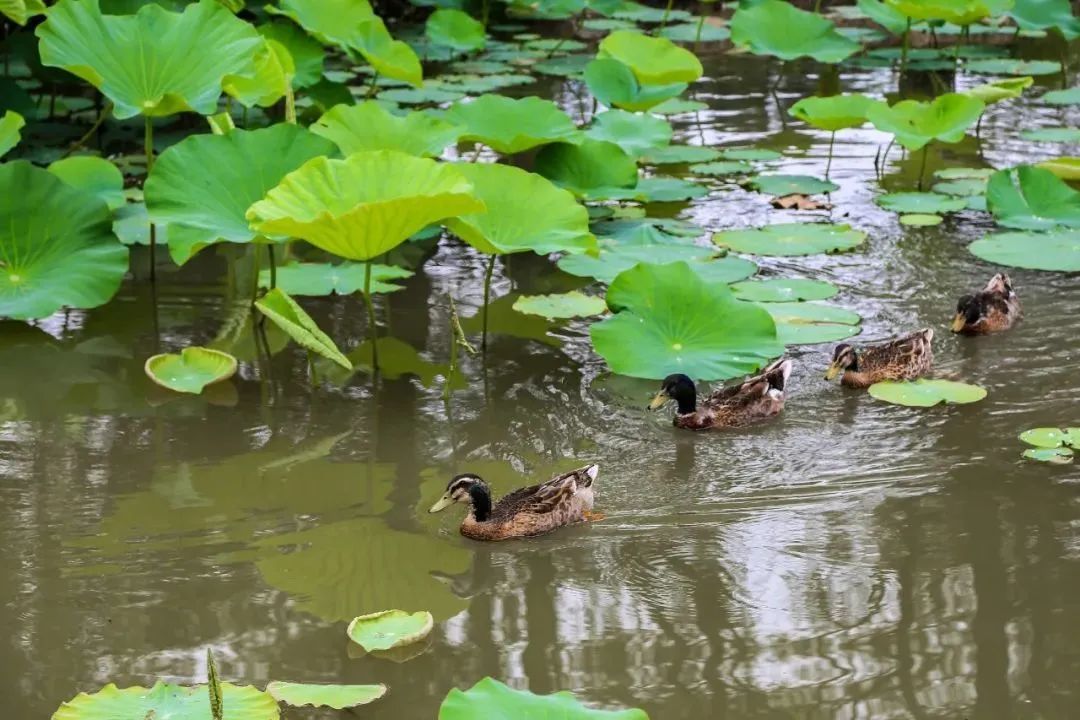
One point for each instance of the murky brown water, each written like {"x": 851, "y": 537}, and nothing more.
{"x": 852, "y": 560}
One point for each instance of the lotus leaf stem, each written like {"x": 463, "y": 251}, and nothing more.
{"x": 371, "y": 88}
{"x": 828, "y": 163}
{"x": 697, "y": 35}
{"x": 817, "y": 7}
{"x": 148, "y": 147}
{"x": 667, "y": 13}
{"x": 904, "y": 48}
{"x": 922, "y": 165}
{"x": 273, "y": 265}
{"x": 214, "y": 687}
{"x": 372, "y": 328}
{"x": 485, "y": 13}
{"x": 487, "y": 295}
{"x": 89, "y": 133}
{"x": 290, "y": 106}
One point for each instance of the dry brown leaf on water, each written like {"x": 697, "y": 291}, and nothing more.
{"x": 796, "y": 201}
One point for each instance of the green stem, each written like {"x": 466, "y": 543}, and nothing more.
{"x": 372, "y": 329}
{"x": 371, "y": 88}
{"x": 485, "y": 13}
{"x": 667, "y": 12}
{"x": 487, "y": 296}
{"x": 89, "y": 133}
{"x": 828, "y": 163}
{"x": 817, "y": 7}
{"x": 148, "y": 147}
{"x": 922, "y": 165}
{"x": 700, "y": 27}
{"x": 904, "y": 50}
{"x": 273, "y": 266}
{"x": 254, "y": 274}
{"x": 290, "y": 105}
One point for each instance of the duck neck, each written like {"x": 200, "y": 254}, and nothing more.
{"x": 481, "y": 502}
{"x": 687, "y": 401}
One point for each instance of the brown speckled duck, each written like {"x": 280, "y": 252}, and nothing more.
{"x": 531, "y": 511}
{"x": 993, "y": 309}
{"x": 905, "y": 358}
{"x": 755, "y": 399}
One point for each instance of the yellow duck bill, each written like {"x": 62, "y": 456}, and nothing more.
{"x": 658, "y": 401}
{"x": 832, "y": 372}
{"x": 958, "y": 323}
{"x": 444, "y": 502}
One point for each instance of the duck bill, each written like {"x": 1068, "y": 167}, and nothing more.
{"x": 832, "y": 372}
{"x": 957, "y": 323}
{"x": 658, "y": 401}
{"x": 444, "y": 502}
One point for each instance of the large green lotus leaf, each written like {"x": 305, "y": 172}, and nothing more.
{"x": 455, "y": 29}
{"x": 1046, "y": 14}
{"x": 94, "y": 175}
{"x": 808, "y": 323}
{"x": 784, "y": 290}
{"x": 1032, "y": 198}
{"x": 152, "y": 63}
{"x": 668, "y": 319}
{"x": 653, "y": 60}
{"x": 636, "y": 133}
{"x": 678, "y": 155}
{"x": 369, "y": 126}
{"x": 19, "y": 11}
{"x": 271, "y": 79}
{"x": 833, "y": 113}
{"x": 10, "y": 124}
{"x": 492, "y": 700}
{"x": 926, "y": 393}
{"x": 1052, "y": 134}
{"x": 920, "y": 202}
{"x": 321, "y": 279}
{"x": 168, "y": 702}
{"x": 332, "y": 22}
{"x": 365, "y": 205}
{"x": 777, "y": 28}
{"x": 998, "y": 90}
{"x": 287, "y": 314}
{"x": 606, "y": 266}
{"x": 1062, "y": 97}
{"x": 389, "y": 629}
{"x": 615, "y": 85}
{"x": 192, "y": 370}
{"x": 1056, "y": 251}
{"x": 791, "y": 184}
{"x": 1051, "y": 437}
{"x": 788, "y": 239}
{"x": 338, "y": 697}
{"x": 524, "y": 212}
{"x": 203, "y": 186}
{"x": 916, "y": 123}
{"x": 590, "y": 166}
{"x": 57, "y": 248}
{"x": 306, "y": 52}
{"x": 510, "y": 126}
{"x": 389, "y": 57}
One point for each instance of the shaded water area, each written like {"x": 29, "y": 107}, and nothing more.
{"x": 851, "y": 560}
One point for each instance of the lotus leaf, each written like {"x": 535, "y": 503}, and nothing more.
{"x": 635, "y": 133}
{"x": 1012, "y": 66}
{"x": 652, "y": 189}
{"x": 1031, "y": 198}
{"x": 389, "y": 629}
{"x": 606, "y": 266}
{"x": 563, "y": 66}
{"x": 94, "y": 175}
{"x": 668, "y": 319}
{"x": 926, "y": 393}
{"x": 492, "y": 700}
{"x": 678, "y": 155}
{"x": 566, "y": 305}
{"x": 1056, "y": 135}
{"x": 653, "y": 60}
{"x": 833, "y": 113}
{"x": 916, "y": 123}
{"x": 155, "y": 62}
{"x": 998, "y": 90}
{"x": 921, "y": 219}
{"x": 1066, "y": 168}
{"x": 1051, "y": 437}
{"x": 646, "y": 231}
{"x": 695, "y": 32}
{"x": 10, "y": 124}
{"x": 808, "y": 323}
{"x": 1062, "y": 97}
{"x": 722, "y": 167}
{"x": 777, "y": 28}
{"x": 781, "y": 185}
{"x": 455, "y": 29}
{"x": 750, "y": 154}
{"x": 1058, "y": 250}
{"x": 511, "y": 126}
{"x": 338, "y": 697}
{"x": 1046, "y": 14}
{"x": 678, "y": 106}
{"x": 784, "y": 290}
{"x": 727, "y": 269}
{"x": 524, "y": 212}
{"x": 398, "y": 359}
{"x": 884, "y": 15}
{"x": 306, "y": 53}
{"x": 321, "y": 279}
{"x": 203, "y": 186}
{"x": 19, "y": 11}
{"x": 369, "y": 126}
{"x": 272, "y": 78}
{"x": 192, "y": 370}
{"x": 630, "y": 10}
{"x": 961, "y": 188}
{"x": 287, "y": 314}
{"x": 920, "y": 202}
{"x": 365, "y": 205}
{"x": 389, "y": 57}
{"x": 56, "y": 245}
{"x": 1054, "y": 456}
{"x": 588, "y": 167}
{"x": 615, "y": 85}
{"x": 171, "y": 702}
{"x": 420, "y": 96}
{"x": 962, "y": 173}
{"x": 792, "y": 239}
{"x": 959, "y": 12}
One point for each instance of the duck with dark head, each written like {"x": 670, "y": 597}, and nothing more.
{"x": 993, "y": 309}
{"x": 904, "y": 358}
{"x": 753, "y": 400}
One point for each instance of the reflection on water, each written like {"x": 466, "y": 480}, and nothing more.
{"x": 852, "y": 560}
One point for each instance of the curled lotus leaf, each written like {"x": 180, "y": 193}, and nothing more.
{"x": 914, "y": 123}
{"x": 192, "y": 370}
{"x": 833, "y": 113}
{"x": 615, "y": 85}
{"x": 455, "y": 29}
{"x": 369, "y": 126}
{"x": 587, "y": 167}
{"x": 389, "y": 629}
{"x": 510, "y": 126}
{"x": 306, "y": 52}
{"x": 565, "y": 305}
{"x": 287, "y": 314}
{"x": 175, "y": 702}
{"x": 271, "y": 79}
{"x": 926, "y": 393}
{"x": 653, "y": 60}
{"x": 1032, "y": 198}
{"x": 1056, "y": 251}
{"x": 94, "y": 175}
{"x": 788, "y": 239}
{"x": 338, "y": 697}
{"x": 10, "y": 124}
{"x": 779, "y": 29}
{"x": 998, "y": 90}
{"x": 388, "y": 57}
{"x": 492, "y": 699}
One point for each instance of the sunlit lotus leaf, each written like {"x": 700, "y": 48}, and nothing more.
{"x": 10, "y": 124}
{"x": 1062, "y": 97}
{"x": 152, "y": 63}
{"x": 998, "y": 90}
{"x": 563, "y": 65}
{"x": 271, "y": 79}
{"x": 784, "y": 290}
{"x": 678, "y": 155}
{"x": 389, "y": 57}
{"x": 833, "y": 113}
{"x": 964, "y": 173}
{"x": 493, "y": 700}
{"x": 922, "y": 219}
{"x": 884, "y": 15}
{"x": 1058, "y": 250}
{"x": 19, "y": 11}
{"x": 694, "y": 32}
{"x": 636, "y": 133}
{"x": 420, "y": 96}
{"x": 369, "y": 126}
{"x": 56, "y": 245}
{"x": 306, "y": 52}
{"x": 615, "y": 85}
{"x": 920, "y": 202}
{"x": 926, "y": 393}
{"x": 612, "y": 261}
{"x": 338, "y": 697}
{"x": 1055, "y": 135}
{"x": 1066, "y": 168}
{"x": 807, "y": 323}
{"x": 750, "y": 154}
{"x": 455, "y": 29}
{"x": 1054, "y": 456}
{"x": 590, "y": 166}
{"x": 510, "y": 126}
{"x": 1012, "y": 66}
{"x": 1031, "y": 198}
{"x": 524, "y": 212}
{"x": 192, "y": 370}
{"x": 389, "y": 629}
{"x": 168, "y": 702}
{"x": 678, "y": 106}
{"x": 792, "y": 239}
{"x": 779, "y": 29}
{"x": 1051, "y": 437}
{"x": 1046, "y": 14}
{"x": 332, "y": 22}
{"x": 915, "y": 123}
{"x": 781, "y": 185}
{"x": 965, "y": 187}
{"x": 94, "y": 175}
{"x": 653, "y": 60}
{"x": 656, "y": 188}
{"x": 668, "y": 319}
{"x": 287, "y": 314}
{"x": 958, "y": 12}
{"x": 365, "y": 205}
{"x": 321, "y": 279}
{"x": 203, "y": 186}
{"x": 565, "y": 305}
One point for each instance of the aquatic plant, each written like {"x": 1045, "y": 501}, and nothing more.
{"x": 1032, "y": 198}
{"x": 455, "y": 29}
{"x": 1046, "y": 15}
{"x": 997, "y": 90}
{"x": 1066, "y": 168}
{"x": 784, "y": 290}
{"x": 10, "y": 124}
{"x": 338, "y": 697}
{"x": 564, "y": 305}
{"x": 592, "y": 167}
{"x": 192, "y": 370}
{"x": 636, "y": 133}
{"x": 93, "y": 175}
{"x": 490, "y": 698}
{"x": 837, "y": 112}
{"x": 615, "y": 85}
{"x": 653, "y": 60}
{"x": 287, "y": 314}
{"x": 779, "y": 29}
{"x": 808, "y": 323}
{"x": 369, "y": 126}
{"x": 165, "y": 700}
{"x": 389, "y": 629}
{"x": 1055, "y": 251}
{"x": 19, "y": 11}
{"x": 926, "y": 393}
{"x": 322, "y": 279}
{"x": 787, "y": 239}
{"x": 781, "y": 185}
{"x": 510, "y": 126}
{"x": 920, "y": 203}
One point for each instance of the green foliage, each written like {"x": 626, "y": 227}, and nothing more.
{"x": 306, "y": 53}
{"x": 455, "y": 29}
{"x": 493, "y": 700}
{"x": 784, "y": 290}
{"x": 338, "y": 697}
{"x": 566, "y": 305}
{"x": 1070, "y": 96}
{"x": 93, "y": 175}
{"x": 653, "y": 60}
{"x": 1046, "y": 15}
{"x": 998, "y": 90}
{"x": 612, "y": 261}
{"x": 10, "y": 124}
{"x": 369, "y": 126}
{"x": 1056, "y": 251}
{"x": 615, "y": 85}
{"x": 788, "y": 239}
{"x": 162, "y": 701}
{"x": 791, "y": 185}
{"x": 1013, "y": 66}
{"x": 190, "y": 371}
{"x": 322, "y": 279}
{"x": 779, "y": 29}
{"x": 833, "y": 113}
{"x": 1057, "y": 135}
{"x": 1032, "y": 198}
{"x": 510, "y": 126}
{"x": 1047, "y": 437}
{"x": 916, "y": 123}
{"x": 808, "y": 323}
{"x": 926, "y": 393}
{"x": 287, "y": 314}
{"x": 19, "y": 11}
{"x": 588, "y": 167}
{"x": 636, "y": 133}
{"x": 958, "y": 12}
{"x": 389, "y": 629}
{"x": 920, "y": 202}
{"x": 213, "y": 685}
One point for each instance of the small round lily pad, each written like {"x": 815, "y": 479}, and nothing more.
{"x": 389, "y": 629}
{"x": 784, "y": 290}
{"x": 809, "y": 323}
{"x": 920, "y": 202}
{"x": 1054, "y": 456}
{"x": 566, "y": 305}
{"x": 750, "y": 154}
{"x": 722, "y": 167}
{"x": 781, "y": 185}
{"x": 1046, "y": 437}
{"x": 192, "y": 370}
{"x": 1052, "y": 134}
{"x": 338, "y": 697}
{"x": 926, "y": 393}
{"x": 921, "y": 220}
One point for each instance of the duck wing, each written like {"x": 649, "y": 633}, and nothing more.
{"x": 908, "y": 351}
{"x": 773, "y": 377}
{"x": 547, "y": 497}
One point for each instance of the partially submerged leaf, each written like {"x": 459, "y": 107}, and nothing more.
{"x": 792, "y": 239}
{"x": 321, "y": 279}
{"x": 782, "y": 185}
{"x": 926, "y": 393}
{"x": 192, "y": 370}
{"x": 492, "y": 700}
{"x": 566, "y": 305}
{"x": 1054, "y": 456}
{"x": 389, "y": 629}
{"x": 174, "y": 702}
{"x": 369, "y": 126}
{"x": 920, "y": 202}
{"x": 338, "y": 697}
{"x": 287, "y": 314}
{"x": 1031, "y": 198}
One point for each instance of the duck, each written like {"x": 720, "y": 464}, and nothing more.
{"x": 755, "y": 399}
{"x": 904, "y": 358}
{"x": 527, "y": 512}
{"x": 993, "y": 309}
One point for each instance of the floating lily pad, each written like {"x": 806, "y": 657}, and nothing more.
{"x": 171, "y": 702}
{"x": 914, "y": 123}
{"x": 693, "y": 32}
{"x": 510, "y": 126}
{"x": 779, "y": 29}
{"x": 564, "y": 65}
{"x": 721, "y": 168}
{"x": 338, "y": 697}
{"x": 922, "y": 219}
{"x": 1012, "y": 66}
{"x": 961, "y": 188}
{"x": 492, "y": 700}
{"x": 636, "y": 133}
{"x": 192, "y": 370}
{"x": 652, "y": 189}
{"x": 788, "y": 239}
{"x": 784, "y": 290}
{"x": 389, "y": 629}
{"x": 287, "y": 314}
{"x": 808, "y": 323}
{"x": 1057, "y": 251}
{"x": 926, "y": 393}
{"x": 962, "y": 173}
{"x": 654, "y": 61}
{"x": 1054, "y": 456}
{"x": 94, "y": 175}
{"x": 455, "y": 29}
{"x": 1031, "y": 198}
{"x": 678, "y": 106}
{"x": 369, "y": 126}
{"x": 833, "y": 113}
{"x": 611, "y": 262}
{"x": 1051, "y": 437}
{"x": 566, "y": 305}
{"x": 630, "y": 10}
{"x": 420, "y": 96}
{"x": 920, "y": 202}
{"x": 678, "y": 155}
{"x": 1062, "y": 97}
{"x": 750, "y": 154}
{"x": 591, "y": 166}
{"x": 1056, "y": 135}
{"x": 321, "y": 279}
{"x": 781, "y": 185}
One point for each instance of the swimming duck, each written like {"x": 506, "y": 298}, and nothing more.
{"x": 993, "y": 309}
{"x": 531, "y": 511}
{"x": 905, "y": 358}
{"x": 755, "y": 399}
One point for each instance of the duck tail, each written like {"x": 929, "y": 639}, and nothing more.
{"x": 777, "y": 374}
{"x": 587, "y": 474}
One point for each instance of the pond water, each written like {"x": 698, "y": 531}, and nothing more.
{"x": 851, "y": 560}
